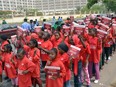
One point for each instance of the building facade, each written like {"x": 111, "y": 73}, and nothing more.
{"x": 42, "y": 5}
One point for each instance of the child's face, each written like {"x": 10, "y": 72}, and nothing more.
{"x": 57, "y": 36}
{"x": 40, "y": 34}
{"x": 44, "y": 36}
{"x": 31, "y": 45}
{"x": 52, "y": 55}
{"x": 60, "y": 51}
{"x": 20, "y": 56}
{"x": 5, "y": 49}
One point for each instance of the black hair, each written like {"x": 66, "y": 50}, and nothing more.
{"x": 44, "y": 20}
{"x": 3, "y": 37}
{"x": 63, "y": 46}
{"x": 55, "y": 50}
{"x": 58, "y": 28}
{"x": 48, "y": 35}
{"x": 34, "y": 22}
{"x": 34, "y": 42}
{"x": 8, "y": 46}
{"x": 21, "y": 50}
{"x": 68, "y": 18}
{"x": 57, "y": 32}
{"x": 31, "y": 21}
{"x": 25, "y": 20}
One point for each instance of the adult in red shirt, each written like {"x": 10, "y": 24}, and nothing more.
{"x": 25, "y": 69}
{"x": 55, "y": 80}
{"x": 64, "y": 57}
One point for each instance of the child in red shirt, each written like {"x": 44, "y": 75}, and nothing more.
{"x": 95, "y": 47}
{"x": 64, "y": 57}
{"x": 85, "y": 53}
{"x": 34, "y": 56}
{"x": 10, "y": 68}
{"x": 57, "y": 39}
{"x": 46, "y": 45}
{"x": 25, "y": 69}
{"x": 54, "y": 80}
{"x": 3, "y": 40}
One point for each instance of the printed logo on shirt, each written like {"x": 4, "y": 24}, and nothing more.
{"x": 92, "y": 47}
{"x": 62, "y": 59}
{"x": 20, "y": 72}
{"x": 42, "y": 52}
{"x": 30, "y": 58}
{"x": 7, "y": 65}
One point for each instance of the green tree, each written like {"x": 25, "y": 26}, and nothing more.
{"x": 91, "y": 3}
{"x": 110, "y": 4}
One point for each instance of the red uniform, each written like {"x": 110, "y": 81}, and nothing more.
{"x": 34, "y": 56}
{"x": 95, "y": 47}
{"x": 84, "y": 52}
{"x": 1, "y": 54}
{"x": 40, "y": 41}
{"x": 107, "y": 42}
{"x": 56, "y": 42}
{"x": 59, "y": 81}
{"x": 46, "y": 45}
{"x": 24, "y": 80}
{"x": 3, "y": 44}
{"x": 65, "y": 59}
{"x": 28, "y": 38}
{"x": 9, "y": 67}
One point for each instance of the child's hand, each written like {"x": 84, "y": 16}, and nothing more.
{"x": 86, "y": 63}
{"x": 54, "y": 77}
{"x": 0, "y": 57}
{"x": 48, "y": 62}
{"x": 25, "y": 72}
{"x": 65, "y": 34}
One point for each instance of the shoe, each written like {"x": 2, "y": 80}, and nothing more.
{"x": 96, "y": 81}
{"x": 109, "y": 58}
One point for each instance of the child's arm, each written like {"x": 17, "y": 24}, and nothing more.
{"x": 30, "y": 67}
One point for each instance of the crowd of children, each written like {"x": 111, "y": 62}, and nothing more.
{"x": 78, "y": 48}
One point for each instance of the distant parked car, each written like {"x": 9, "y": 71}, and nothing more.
{"x": 8, "y": 30}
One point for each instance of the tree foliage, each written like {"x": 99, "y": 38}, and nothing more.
{"x": 110, "y": 4}
{"x": 91, "y": 3}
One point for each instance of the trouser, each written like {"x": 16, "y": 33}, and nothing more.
{"x": 111, "y": 49}
{"x": 43, "y": 63}
{"x": 90, "y": 68}
{"x": 36, "y": 80}
{"x": 14, "y": 81}
{"x": 67, "y": 84}
{"x": 101, "y": 60}
{"x": 77, "y": 78}
{"x": 85, "y": 74}
{"x": 107, "y": 52}
{"x": 103, "y": 57}
{"x": 114, "y": 47}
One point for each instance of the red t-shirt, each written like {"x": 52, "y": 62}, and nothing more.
{"x": 46, "y": 45}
